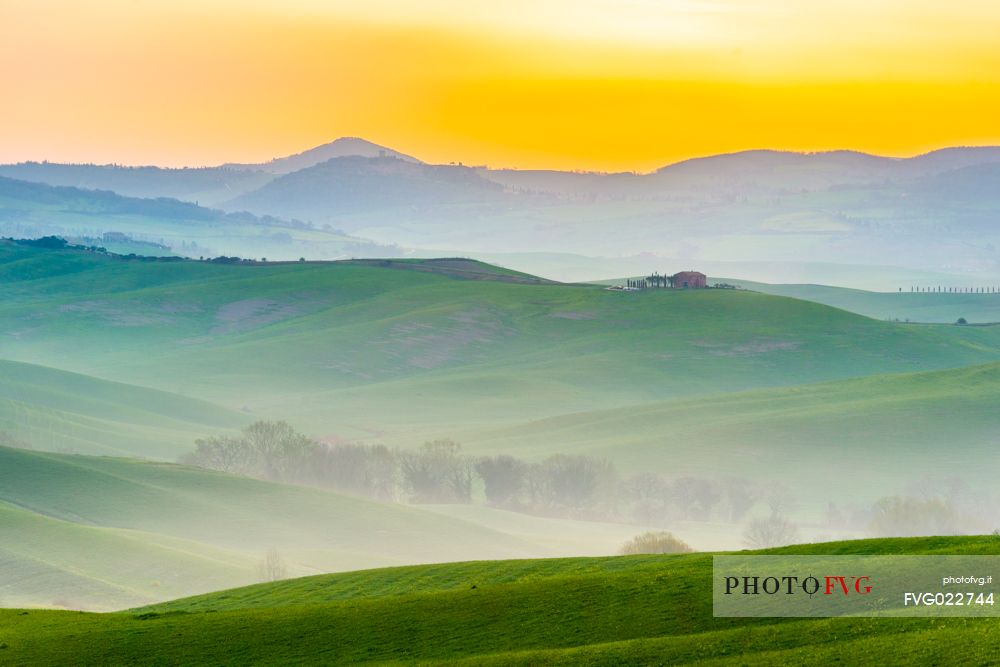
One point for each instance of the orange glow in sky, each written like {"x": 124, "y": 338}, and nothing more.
{"x": 569, "y": 84}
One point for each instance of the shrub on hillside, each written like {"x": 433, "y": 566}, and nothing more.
{"x": 653, "y": 542}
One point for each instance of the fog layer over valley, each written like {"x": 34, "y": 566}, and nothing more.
{"x": 276, "y": 418}
{"x": 169, "y": 426}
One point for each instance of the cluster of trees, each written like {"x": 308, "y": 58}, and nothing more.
{"x": 563, "y": 484}
{"x": 654, "y": 498}
{"x": 938, "y": 506}
{"x": 439, "y": 472}
{"x": 48, "y": 242}
{"x": 59, "y": 243}
{"x": 904, "y": 516}
{"x": 145, "y": 258}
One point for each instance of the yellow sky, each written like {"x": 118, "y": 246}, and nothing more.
{"x": 585, "y": 84}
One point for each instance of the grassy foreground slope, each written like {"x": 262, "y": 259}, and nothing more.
{"x": 57, "y": 410}
{"x": 358, "y": 350}
{"x": 626, "y": 610}
{"x": 99, "y": 532}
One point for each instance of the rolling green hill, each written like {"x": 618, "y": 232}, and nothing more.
{"x": 709, "y": 383}
{"x": 64, "y": 563}
{"x": 108, "y": 532}
{"x": 625, "y": 610}
{"x": 906, "y": 306}
{"x": 455, "y": 577}
{"x": 456, "y": 267}
{"x": 57, "y": 410}
{"x": 357, "y": 350}
{"x": 872, "y": 435}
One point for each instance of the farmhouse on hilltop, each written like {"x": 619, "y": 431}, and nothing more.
{"x": 682, "y": 280}
{"x": 689, "y": 279}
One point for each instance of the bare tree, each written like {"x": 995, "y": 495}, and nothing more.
{"x": 273, "y": 567}
{"x": 772, "y": 531}
{"x": 222, "y": 453}
{"x": 280, "y": 451}
{"x": 268, "y": 450}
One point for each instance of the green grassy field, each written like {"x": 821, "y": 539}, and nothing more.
{"x": 713, "y": 382}
{"x": 881, "y": 432}
{"x": 623, "y": 610}
{"x": 99, "y": 532}
{"x": 932, "y": 307}
{"x": 362, "y": 351}
{"x": 56, "y": 410}
{"x": 709, "y": 383}
{"x": 57, "y": 563}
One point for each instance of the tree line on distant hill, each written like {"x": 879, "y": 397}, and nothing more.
{"x": 570, "y": 485}
{"x": 567, "y": 485}
{"x": 59, "y": 243}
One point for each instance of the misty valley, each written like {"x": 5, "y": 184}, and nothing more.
{"x": 335, "y": 416}
{"x": 514, "y": 441}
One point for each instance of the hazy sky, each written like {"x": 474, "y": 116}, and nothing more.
{"x": 589, "y": 84}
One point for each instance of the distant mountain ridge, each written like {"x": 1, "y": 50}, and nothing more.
{"x": 208, "y": 185}
{"x": 935, "y": 213}
{"x": 31, "y": 209}
{"x": 343, "y": 147}
{"x": 834, "y": 162}
{"x": 755, "y": 170}
{"x": 358, "y": 185}
{"x": 752, "y": 169}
